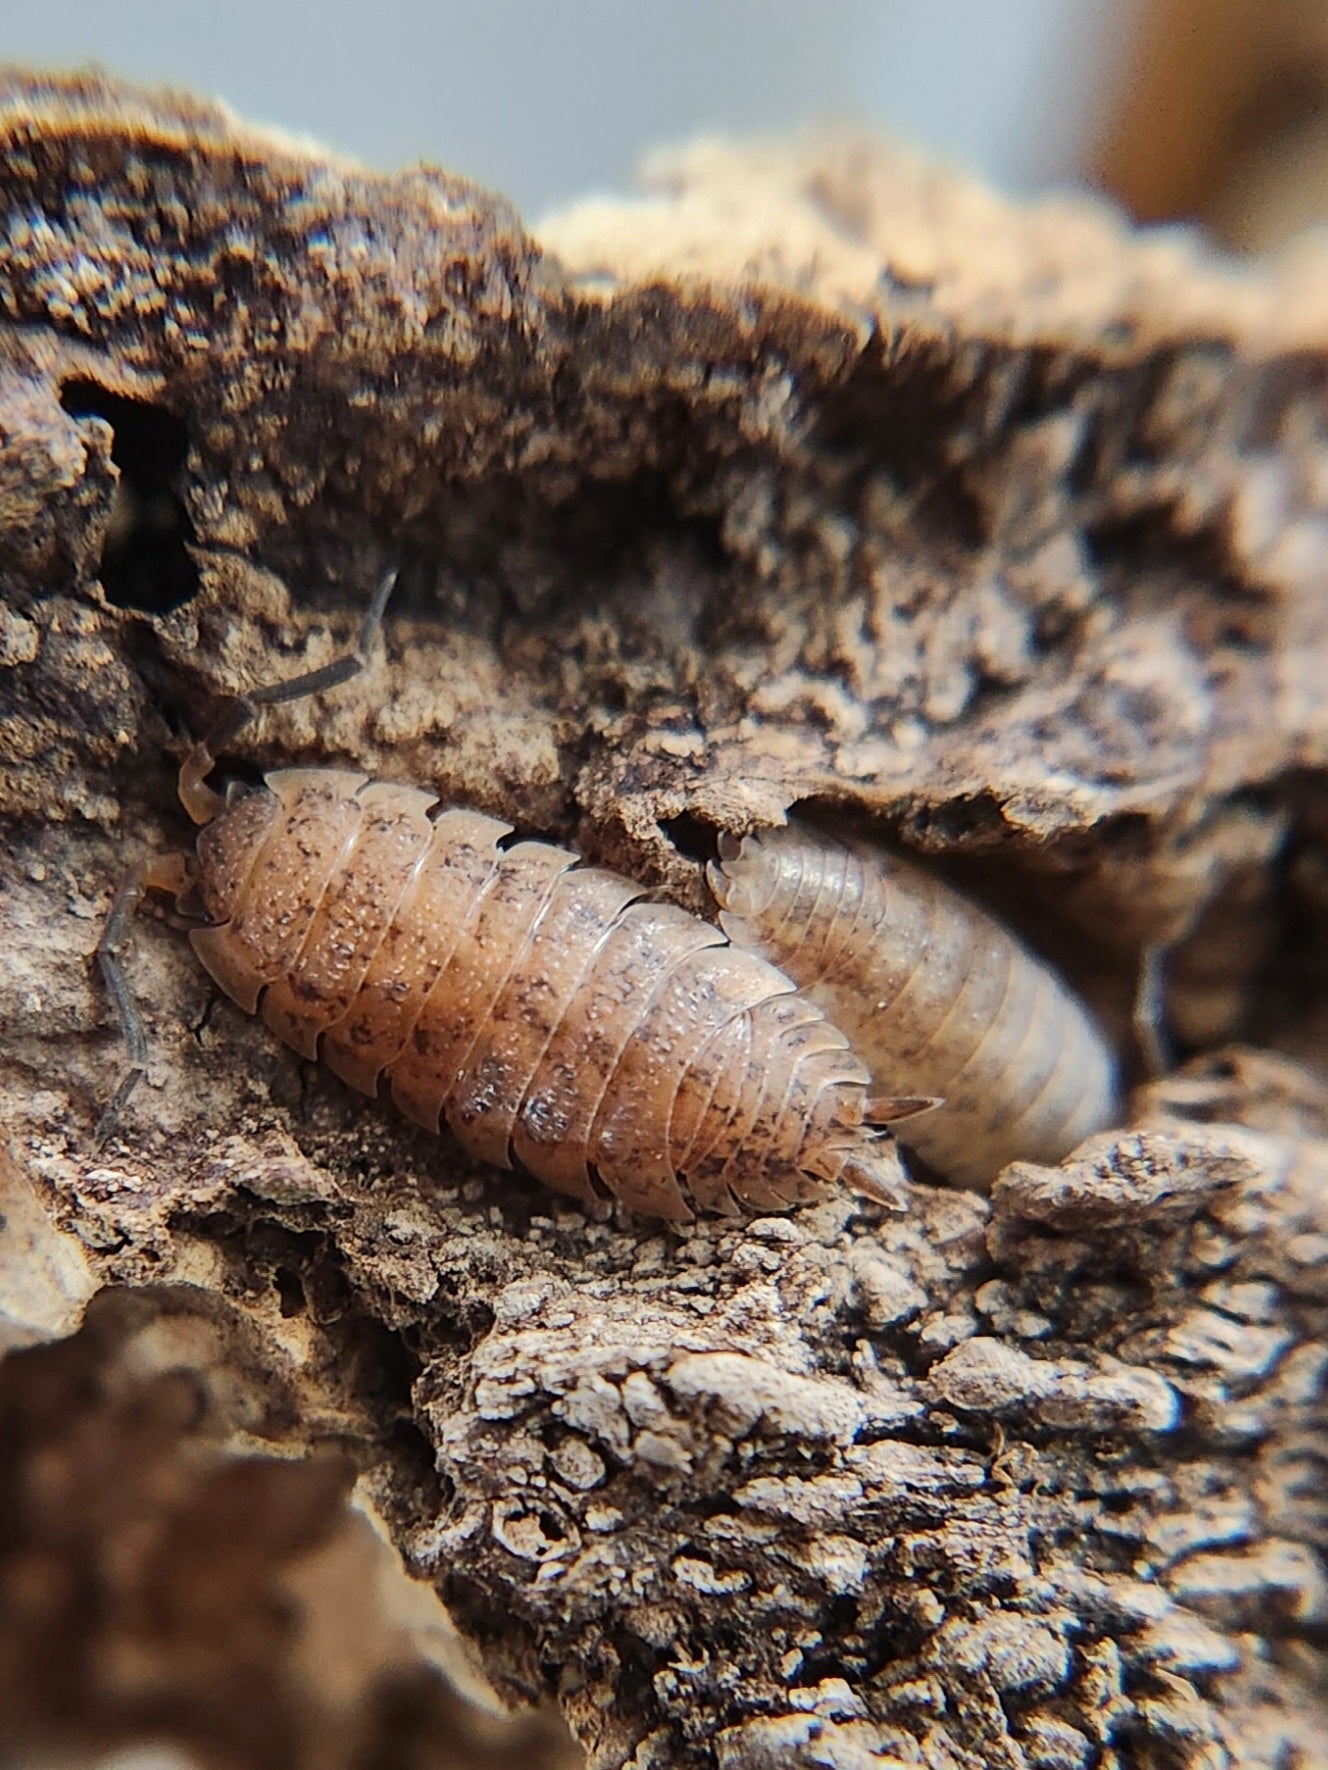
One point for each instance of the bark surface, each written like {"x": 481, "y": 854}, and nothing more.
{"x": 817, "y": 478}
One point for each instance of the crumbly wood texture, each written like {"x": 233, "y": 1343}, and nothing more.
{"x": 818, "y": 476}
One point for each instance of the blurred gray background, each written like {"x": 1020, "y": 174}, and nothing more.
{"x": 549, "y": 99}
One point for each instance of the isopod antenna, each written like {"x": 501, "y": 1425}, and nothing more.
{"x": 171, "y": 872}
{"x": 198, "y": 799}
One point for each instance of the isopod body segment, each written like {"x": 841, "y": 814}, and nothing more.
{"x": 935, "y": 995}
{"x": 545, "y": 1010}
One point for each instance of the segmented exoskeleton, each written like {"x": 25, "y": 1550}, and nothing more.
{"x": 934, "y": 994}
{"x": 546, "y": 1011}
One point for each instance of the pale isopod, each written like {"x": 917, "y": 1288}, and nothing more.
{"x": 547, "y": 1011}
{"x": 935, "y": 995}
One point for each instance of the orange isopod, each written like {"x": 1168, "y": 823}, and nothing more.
{"x": 931, "y": 991}
{"x": 548, "y": 1012}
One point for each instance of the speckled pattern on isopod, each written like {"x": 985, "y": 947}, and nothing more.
{"x": 542, "y": 1009}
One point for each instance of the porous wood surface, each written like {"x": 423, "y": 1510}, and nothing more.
{"x": 812, "y": 475}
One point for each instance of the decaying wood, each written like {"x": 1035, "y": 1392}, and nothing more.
{"x": 818, "y": 476}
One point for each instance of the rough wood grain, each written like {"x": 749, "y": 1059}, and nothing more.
{"x": 817, "y": 476}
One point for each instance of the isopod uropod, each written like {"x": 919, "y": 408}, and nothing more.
{"x": 546, "y": 1010}
{"x": 929, "y": 987}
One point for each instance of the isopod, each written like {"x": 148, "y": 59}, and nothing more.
{"x": 547, "y": 1011}
{"x": 928, "y": 987}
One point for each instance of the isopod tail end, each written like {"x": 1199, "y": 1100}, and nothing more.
{"x": 875, "y": 1172}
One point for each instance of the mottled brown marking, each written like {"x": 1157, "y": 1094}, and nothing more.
{"x": 538, "y": 1007}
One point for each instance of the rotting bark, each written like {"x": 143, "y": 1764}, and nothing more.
{"x": 819, "y": 477}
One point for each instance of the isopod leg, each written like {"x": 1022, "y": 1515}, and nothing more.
{"x": 168, "y": 872}
{"x": 198, "y": 799}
